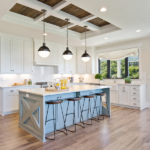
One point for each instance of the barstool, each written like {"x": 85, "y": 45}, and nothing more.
{"x": 54, "y": 117}
{"x": 101, "y": 95}
{"x": 74, "y": 121}
{"x": 88, "y": 110}
{"x": 98, "y": 107}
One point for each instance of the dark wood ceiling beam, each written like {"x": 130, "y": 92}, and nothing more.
{"x": 87, "y": 18}
{"x": 60, "y": 5}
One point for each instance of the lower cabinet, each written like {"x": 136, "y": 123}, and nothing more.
{"x": 114, "y": 96}
{"x": 130, "y": 96}
{"x": 9, "y": 99}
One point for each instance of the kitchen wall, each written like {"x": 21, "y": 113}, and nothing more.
{"x": 41, "y": 73}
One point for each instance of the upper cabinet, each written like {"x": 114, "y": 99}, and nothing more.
{"x": 89, "y": 67}
{"x": 11, "y": 55}
{"x": 52, "y": 59}
{"x": 70, "y": 65}
{"x": 28, "y": 57}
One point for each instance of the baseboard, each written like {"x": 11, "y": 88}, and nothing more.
{"x": 124, "y": 106}
{"x": 11, "y": 112}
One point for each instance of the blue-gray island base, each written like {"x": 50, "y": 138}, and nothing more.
{"x": 33, "y": 107}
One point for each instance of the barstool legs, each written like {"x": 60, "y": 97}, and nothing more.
{"x": 54, "y": 122}
{"x": 89, "y": 111}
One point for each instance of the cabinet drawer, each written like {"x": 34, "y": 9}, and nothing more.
{"x": 123, "y": 87}
{"x": 135, "y": 88}
{"x": 136, "y": 93}
{"x": 134, "y": 98}
{"x": 135, "y": 103}
{"x": 10, "y": 90}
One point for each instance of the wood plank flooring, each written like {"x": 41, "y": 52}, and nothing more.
{"x": 127, "y": 129}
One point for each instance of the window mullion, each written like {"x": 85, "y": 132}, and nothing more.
{"x": 126, "y": 67}
{"x": 108, "y": 69}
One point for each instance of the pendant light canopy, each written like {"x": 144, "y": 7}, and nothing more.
{"x": 67, "y": 54}
{"x": 85, "y": 57}
{"x": 44, "y": 51}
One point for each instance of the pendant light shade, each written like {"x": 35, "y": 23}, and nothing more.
{"x": 85, "y": 57}
{"x": 67, "y": 54}
{"x": 44, "y": 51}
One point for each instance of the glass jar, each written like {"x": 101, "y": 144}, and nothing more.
{"x": 30, "y": 82}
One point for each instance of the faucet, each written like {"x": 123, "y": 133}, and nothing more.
{"x": 113, "y": 76}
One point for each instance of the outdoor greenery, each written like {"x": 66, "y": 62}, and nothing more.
{"x": 133, "y": 70}
{"x": 99, "y": 76}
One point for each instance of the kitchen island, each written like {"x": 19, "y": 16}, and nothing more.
{"x": 33, "y": 107}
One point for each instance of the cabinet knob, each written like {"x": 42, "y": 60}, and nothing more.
{"x": 123, "y": 90}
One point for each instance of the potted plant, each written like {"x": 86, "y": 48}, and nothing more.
{"x": 128, "y": 80}
{"x": 99, "y": 76}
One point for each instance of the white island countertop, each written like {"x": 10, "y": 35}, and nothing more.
{"x": 74, "y": 88}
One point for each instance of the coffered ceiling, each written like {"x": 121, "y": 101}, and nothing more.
{"x": 118, "y": 23}
{"x": 25, "y": 11}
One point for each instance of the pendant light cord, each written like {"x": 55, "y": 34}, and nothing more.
{"x": 44, "y": 28}
{"x": 67, "y": 33}
{"x": 85, "y": 39}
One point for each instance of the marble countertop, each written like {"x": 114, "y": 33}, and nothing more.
{"x": 11, "y": 86}
{"x": 74, "y": 88}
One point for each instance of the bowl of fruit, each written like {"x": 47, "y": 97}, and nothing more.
{"x": 58, "y": 87}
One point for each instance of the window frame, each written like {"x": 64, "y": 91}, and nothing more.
{"x": 109, "y": 69}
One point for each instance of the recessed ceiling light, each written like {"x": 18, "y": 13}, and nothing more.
{"x": 138, "y": 30}
{"x": 106, "y": 38}
{"x": 103, "y": 9}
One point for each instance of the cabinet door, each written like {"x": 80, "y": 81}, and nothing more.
{"x": 73, "y": 62}
{"x": 6, "y": 55}
{"x": 28, "y": 57}
{"x": 17, "y": 56}
{"x": 61, "y": 66}
{"x": 81, "y": 66}
{"x": 114, "y": 96}
{"x": 89, "y": 63}
{"x": 11, "y": 102}
{"x": 124, "y": 97}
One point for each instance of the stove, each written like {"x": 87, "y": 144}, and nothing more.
{"x": 43, "y": 84}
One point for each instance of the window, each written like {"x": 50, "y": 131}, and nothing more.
{"x": 120, "y": 68}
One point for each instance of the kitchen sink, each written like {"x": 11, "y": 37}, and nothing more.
{"x": 114, "y": 87}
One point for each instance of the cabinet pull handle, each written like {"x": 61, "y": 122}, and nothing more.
{"x": 134, "y": 88}
{"x": 134, "y": 98}
{"x": 123, "y": 90}
{"x": 134, "y": 93}
{"x": 12, "y": 91}
{"x": 123, "y": 87}
{"x": 134, "y": 103}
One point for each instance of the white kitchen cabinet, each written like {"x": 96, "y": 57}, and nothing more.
{"x": 61, "y": 66}
{"x": 28, "y": 57}
{"x": 9, "y": 99}
{"x": 124, "y": 97}
{"x": 81, "y": 66}
{"x": 17, "y": 56}
{"x": 52, "y": 59}
{"x": 6, "y": 47}
{"x": 114, "y": 96}
{"x": 70, "y": 65}
{"x": 11, "y": 55}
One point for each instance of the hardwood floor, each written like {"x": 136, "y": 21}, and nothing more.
{"x": 127, "y": 129}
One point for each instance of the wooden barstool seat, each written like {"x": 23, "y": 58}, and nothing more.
{"x": 74, "y": 99}
{"x": 100, "y": 94}
{"x": 54, "y": 102}
{"x": 89, "y": 96}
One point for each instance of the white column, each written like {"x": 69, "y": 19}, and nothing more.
{"x": 119, "y": 68}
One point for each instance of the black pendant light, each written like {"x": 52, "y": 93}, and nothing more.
{"x": 85, "y": 57}
{"x": 67, "y": 54}
{"x": 44, "y": 51}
